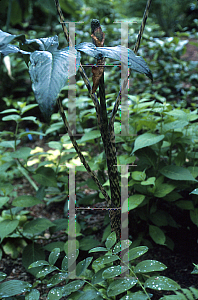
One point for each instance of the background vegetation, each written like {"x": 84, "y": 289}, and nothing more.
{"x": 163, "y": 146}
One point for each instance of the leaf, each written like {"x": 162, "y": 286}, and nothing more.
{"x": 132, "y": 202}
{"x": 120, "y": 286}
{"x": 114, "y": 271}
{"x": 47, "y": 270}
{"x": 31, "y": 254}
{"x": 134, "y": 253}
{"x": 157, "y": 235}
{"x": 98, "y": 249}
{"x": 136, "y": 296}
{"x": 106, "y": 259}
{"x": 161, "y": 283}
{"x": 139, "y": 176}
{"x": 6, "y": 48}
{"x": 25, "y": 201}
{"x": 147, "y": 266}
{"x": 146, "y": 139}
{"x": 39, "y": 263}
{"x": 111, "y": 240}
{"x": 46, "y": 176}
{"x": 49, "y": 72}
{"x": 194, "y": 216}
{"x": 122, "y": 245}
{"x": 72, "y": 287}
{"x": 23, "y": 152}
{"x": 54, "y": 256}
{"x": 163, "y": 189}
{"x": 3, "y": 201}
{"x": 37, "y": 226}
{"x": 177, "y": 173}
{"x": 7, "y": 227}
{"x": 123, "y": 54}
{"x": 87, "y": 243}
{"x": 83, "y": 265}
{"x": 32, "y": 295}
{"x": 2, "y": 276}
{"x": 91, "y": 295}
{"x": 13, "y": 287}
{"x": 55, "y": 294}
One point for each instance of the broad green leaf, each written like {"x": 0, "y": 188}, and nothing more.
{"x": 50, "y": 247}
{"x": 39, "y": 263}
{"x": 139, "y": 176}
{"x": 147, "y": 266}
{"x": 120, "y": 286}
{"x": 97, "y": 277}
{"x": 28, "y": 107}
{"x": 91, "y": 295}
{"x": 3, "y": 201}
{"x": 23, "y": 153}
{"x": 55, "y": 294}
{"x": 134, "y": 253}
{"x": 147, "y": 156}
{"x": 10, "y": 110}
{"x": 37, "y": 226}
{"x": 46, "y": 176}
{"x": 146, "y": 139}
{"x": 31, "y": 254}
{"x": 54, "y": 256}
{"x": 83, "y": 265}
{"x": 72, "y": 287}
{"x": 98, "y": 249}
{"x": 88, "y": 136}
{"x": 57, "y": 278}
{"x": 7, "y": 227}
{"x": 111, "y": 240}
{"x": 120, "y": 53}
{"x": 49, "y": 72}
{"x": 149, "y": 181}
{"x": 132, "y": 202}
{"x": 15, "y": 118}
{"x": 114, "y": 271}
{"x": 105, "y": 259}
{"x": 157, "y": 235}
{"x": 159, "y": 218}
{"x": 25, "y": 201}
{"x": 161, "y": 283}
{"x": 47, "y": 270}
{"x": 136, "y": 296}
{"x": 194, "y": 216}
{"x": 177, "y": 173}
{"x": 163, "y": 189}
{"x": 32, "y": 295}
{"x": 185, "y": 204}
{"x": 88, "y": 243}
{"x": 122, "y": 245}
{"x": 13, "y": 287}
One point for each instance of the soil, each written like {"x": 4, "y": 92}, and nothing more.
{"x": 179, "y": 262}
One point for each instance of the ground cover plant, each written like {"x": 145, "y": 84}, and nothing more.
{"x": 163, "y": 148}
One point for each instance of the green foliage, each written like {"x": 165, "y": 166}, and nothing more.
{"x": 97, "y": 282}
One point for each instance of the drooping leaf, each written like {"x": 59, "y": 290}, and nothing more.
{"x": 123, "y": 54}
{"x": 49, "y": 72}
{"x": 5, "y": 47}
{"x": 32, "y": 295}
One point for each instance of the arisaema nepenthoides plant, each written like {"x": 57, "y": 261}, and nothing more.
{"x": 49, "y": 70}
